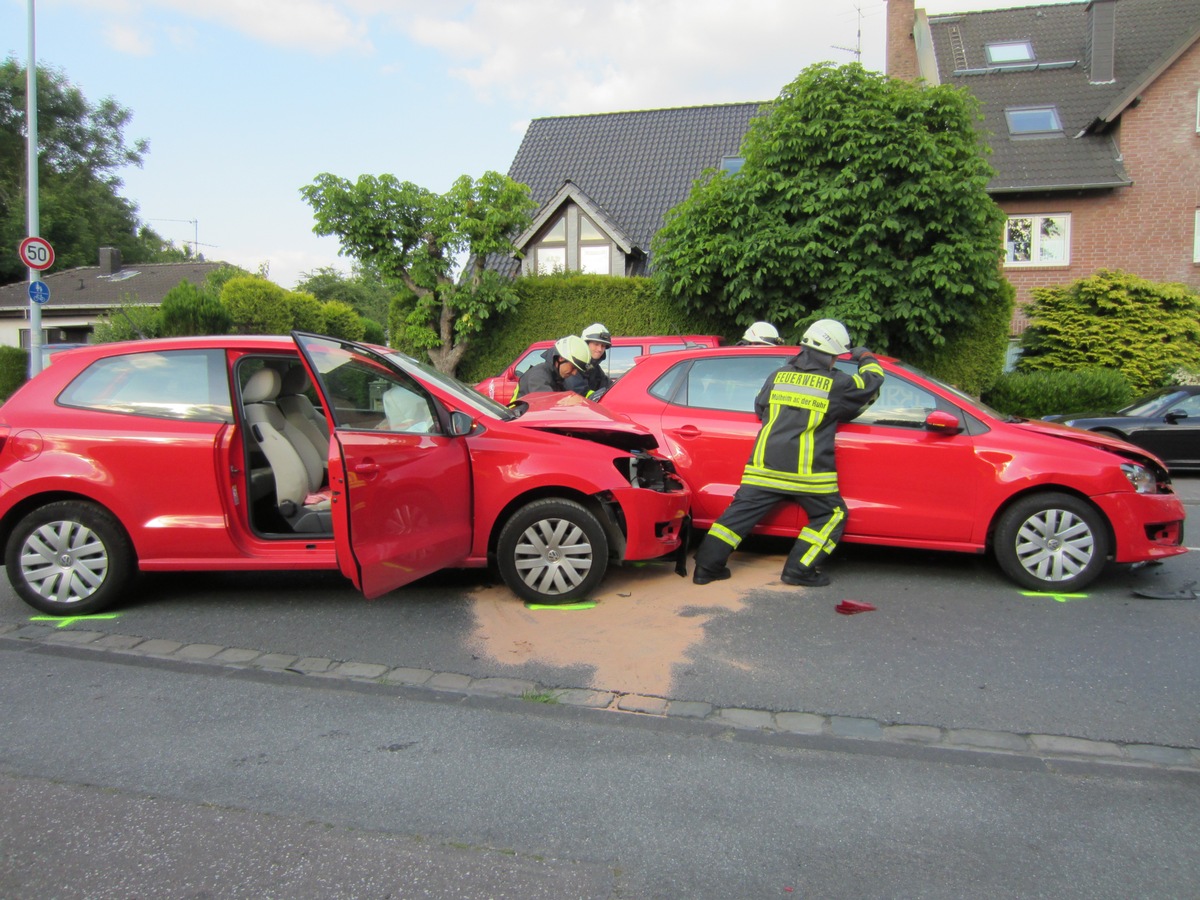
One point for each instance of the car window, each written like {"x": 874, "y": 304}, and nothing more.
{"x": 900, "y": 403}
{"x": 367, "y": 394}
{"x": 1190, "y": 406}
{"x": 727, "y": 382}
{"x": 529, "y": 360}
{"x": 665, "y": 348}
{"x": 176, "y": 384}
{"x": 620, "y": 359}
{"x": 1150, "y": 404}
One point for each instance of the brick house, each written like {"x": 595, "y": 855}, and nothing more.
{"x": 1093, "y": 114}
{"x": 79, "y": 297}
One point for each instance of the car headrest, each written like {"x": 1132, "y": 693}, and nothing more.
{"x": 263, "y": 385}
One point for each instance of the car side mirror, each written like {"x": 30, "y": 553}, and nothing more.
{"x": 1175, "y": 415}
{"x": 942, "y": 422}
{"x": 461, "y": 424}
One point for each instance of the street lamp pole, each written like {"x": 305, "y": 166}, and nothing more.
{"x": 32, "y": 212}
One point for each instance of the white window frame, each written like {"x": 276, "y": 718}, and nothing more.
{"x": 1196, "y": 239}
{"x": 1037, "y": 250}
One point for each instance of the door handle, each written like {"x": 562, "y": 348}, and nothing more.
{"x": 688, "y": 431}
{"x": 366, "y": 467}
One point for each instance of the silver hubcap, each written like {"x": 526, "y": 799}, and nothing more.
{"x": 553, "y": 556}
{"x": 1055, "y": 545}
{"x": 64, "y": 562}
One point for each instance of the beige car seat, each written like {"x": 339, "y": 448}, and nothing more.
{"x": 298, "y": 469}
{"x": 298, "y": 409}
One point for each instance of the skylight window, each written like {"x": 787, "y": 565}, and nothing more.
{"x": 1033, "y": 120}
{"x": 732, "y": 164}
{"x": 1010, "y": 53}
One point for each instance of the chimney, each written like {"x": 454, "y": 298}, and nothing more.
{"x": 110, "y": 260}
{"x": 1102, "y": 41}
{"x": 901, "y": 51}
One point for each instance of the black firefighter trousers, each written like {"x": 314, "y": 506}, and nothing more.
{"x": 817, "y": 539}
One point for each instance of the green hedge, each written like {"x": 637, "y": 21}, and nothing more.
{"x": 1037, "y": 394}
{"x": 14, "y": 370}
{"x": 551, "y": 306}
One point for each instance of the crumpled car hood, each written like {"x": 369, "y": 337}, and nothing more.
{"x": 587, "y": 421}
{"x": 1090, "y": 438}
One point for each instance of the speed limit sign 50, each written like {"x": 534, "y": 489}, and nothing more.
{"x": 37, "y": 253}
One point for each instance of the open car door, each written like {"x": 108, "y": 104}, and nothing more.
{"x": 400, "y": 483}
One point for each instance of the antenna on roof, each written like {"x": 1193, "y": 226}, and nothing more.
{"x": 857, "y": 48}
{"x": 195, "y": 223}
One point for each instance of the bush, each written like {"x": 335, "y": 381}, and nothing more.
{"x": 14, "y": 369}
{"x": 551, "y": 306}
{"x": 1037, "y": 394}
{"x": 1144, "y": 329}
{"x": 972, "y": 359}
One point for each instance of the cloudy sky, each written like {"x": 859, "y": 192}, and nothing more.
{"x": 246, "y": 101}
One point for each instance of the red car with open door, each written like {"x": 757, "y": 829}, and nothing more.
{"x": 309, "y": 452}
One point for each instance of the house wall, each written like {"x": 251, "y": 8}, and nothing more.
{"x": 1147, "y": 229}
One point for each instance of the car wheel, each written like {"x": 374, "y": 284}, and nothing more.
{"x": 552, "y": 551}
{"x": 1051, "y": 542}
{"x": 69, "y": 558}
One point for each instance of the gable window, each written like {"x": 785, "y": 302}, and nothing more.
{"x": 552, "y": 251}
{"x": 1010, "y": 53}
{"x": 594, "y": 255}
{"x": 1033, "y": 120}
{"x": 1037, "y": 240}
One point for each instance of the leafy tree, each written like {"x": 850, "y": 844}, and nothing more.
{"x": 1115, "y": 320}
{"x": 81, "y": 148}
{"x": 188, "y": 309}
{"x": 861, "y": 198}
{"x": 414, "y": 236}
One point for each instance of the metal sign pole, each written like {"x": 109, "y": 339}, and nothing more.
{"x": 32, "y": 213}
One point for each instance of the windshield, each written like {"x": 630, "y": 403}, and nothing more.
{"x": 450, "y": 385}
{"x": 1147, "y": 406}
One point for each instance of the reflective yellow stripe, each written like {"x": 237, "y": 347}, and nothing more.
{"x": 793, "y": 482}
{"x": 721, "y": 533}
{"x": 819, "y": 541}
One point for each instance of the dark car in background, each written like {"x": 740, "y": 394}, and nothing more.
{"x": 1165, "y": 422}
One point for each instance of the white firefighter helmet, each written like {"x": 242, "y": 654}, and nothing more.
{"x": 574, "y": 350}
{"x": 828, "y": 336}
{"x": 597, "y": 333}
{"x": 762, "y": 333}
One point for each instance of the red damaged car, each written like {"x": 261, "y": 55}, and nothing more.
{"x": 922, "y": 466}
{"x": 308, "y": 452}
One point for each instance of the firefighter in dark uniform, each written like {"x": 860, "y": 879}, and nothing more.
{"x": 799, "y": 406}
{"x": 562, "y": 369}
{"x": 598, "y": 340}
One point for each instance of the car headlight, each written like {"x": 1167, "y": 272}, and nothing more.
{"x": 1140, "y": 477}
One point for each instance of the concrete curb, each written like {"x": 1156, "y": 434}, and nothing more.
{"x": 1045, "y": 747}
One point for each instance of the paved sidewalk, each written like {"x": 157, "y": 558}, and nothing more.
{"x": 1050, "y": 749}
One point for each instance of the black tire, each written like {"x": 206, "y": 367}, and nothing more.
{"x": 552, "y": 551}
{"x": 69, "y": 558}
{"x": 1051, "y": 542}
